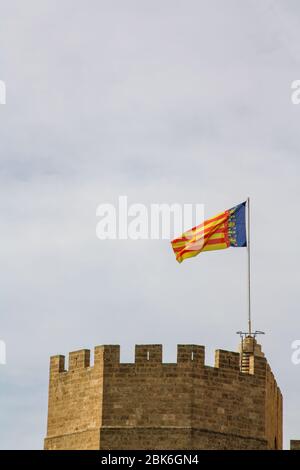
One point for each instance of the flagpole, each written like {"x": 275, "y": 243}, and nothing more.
{"x": 249, "y": 267}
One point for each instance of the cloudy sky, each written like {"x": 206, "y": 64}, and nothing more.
{"x": 162, "y": 101}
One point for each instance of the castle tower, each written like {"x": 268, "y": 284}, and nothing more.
{"x": 149, "y": 404}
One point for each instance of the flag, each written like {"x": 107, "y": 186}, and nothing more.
{"x": 222, "y": 231}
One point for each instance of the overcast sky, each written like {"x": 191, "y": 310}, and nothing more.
{"x": 163, "y": 101}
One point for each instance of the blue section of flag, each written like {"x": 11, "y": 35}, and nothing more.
{"x": 237, "y": 225}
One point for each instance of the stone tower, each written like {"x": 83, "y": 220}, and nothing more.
{"x": 152, "y": 405}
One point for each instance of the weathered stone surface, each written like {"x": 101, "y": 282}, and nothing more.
{"x": 295, "y": 445}
{"x": 153, "y": 405}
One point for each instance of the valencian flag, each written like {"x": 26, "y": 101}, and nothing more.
{"x": 222, "y": 231}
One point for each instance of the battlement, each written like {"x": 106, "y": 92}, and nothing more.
{"x": 149, "y": 354}
{"x": 152, "y": 404}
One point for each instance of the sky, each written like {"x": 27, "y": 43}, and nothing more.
{"x": 164, "y": 102}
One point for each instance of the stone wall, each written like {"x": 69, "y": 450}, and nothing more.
{"x": 295, "y": 445}
{"x": 152, "y": 405}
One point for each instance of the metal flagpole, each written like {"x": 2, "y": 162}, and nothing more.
{"x": 249, "y": 268}
{"x": 251, "y": 334}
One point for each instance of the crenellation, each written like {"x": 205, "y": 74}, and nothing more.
{"x": 107, "y": 354}
{"x": 258, "y": 367}
{"x": 79, "y": 359}
{"x": 227, "y": 360}
{"x": 148, "y": 353}
{"x": 57, "y": 364}
{"x": 187, "y": 353}
{"x": 151, "y": 404}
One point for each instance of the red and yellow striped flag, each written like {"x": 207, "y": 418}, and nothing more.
{"x": 222, "y": 231}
